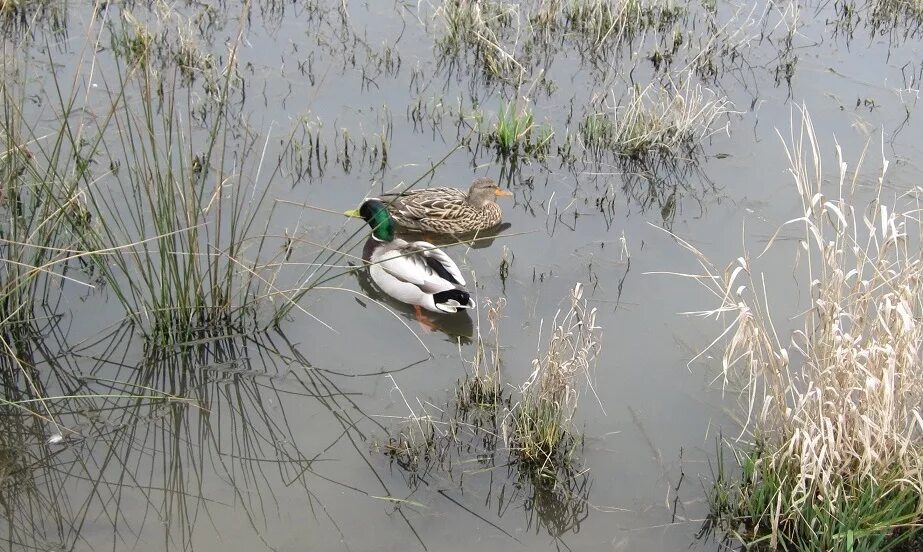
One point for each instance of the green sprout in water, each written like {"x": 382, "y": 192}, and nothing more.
{"x": 515, "y": 133}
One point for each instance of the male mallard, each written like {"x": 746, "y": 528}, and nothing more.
{"x": 416, "y": 273}
{"x": 445, "y": 210}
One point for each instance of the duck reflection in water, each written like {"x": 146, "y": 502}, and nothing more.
{"x": 480, "y": 239}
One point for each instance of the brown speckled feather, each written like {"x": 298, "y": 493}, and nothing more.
{"x": 442, "y": 210}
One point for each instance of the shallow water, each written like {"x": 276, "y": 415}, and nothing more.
{"x": 277, "y": 449}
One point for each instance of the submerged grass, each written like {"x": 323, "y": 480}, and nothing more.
{"x": 837, "y": 457}
{"x": 672, "y": 121}
{"x": 479, "y": 28}
{"x": 601, "y": 21}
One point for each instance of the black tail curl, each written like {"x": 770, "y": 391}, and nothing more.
{"x": 459, "y": 296}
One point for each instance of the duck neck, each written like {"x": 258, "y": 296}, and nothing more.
{"x": 382, "y": 225}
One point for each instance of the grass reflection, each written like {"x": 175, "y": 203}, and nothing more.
{"x": 157, "y": 445}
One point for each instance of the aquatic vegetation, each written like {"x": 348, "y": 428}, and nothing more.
{"x": 906, "y": 12}
{"x": 537, "y": 428}
{"x": 467, "y": 437}
{"x": 160, "y": 212}
{"x": 181, "y": 265}
{"x": 897, "y": 19}
{"x": 192, "y": 424}
{"x": 672, "y": 121}
{"x": 512, "y": 128}
{"x": 135, "y": 42}
{"x": 350, "y": 151}
{"x": 37, "y": 220}
{"x": 541, "y": 431}
{"x": 425, "y": 440}
{"x": 482, "y": 387}
{"x": 478, "y": 27}
{"x": 729, "y": 40}
{"x": 836, "y": 457}
{"x": 602, "y": 21}
{"x": 515, "y": 133}
{"x": 22, "y": 16}
{"x": 508, "y": 42}
{"x": 190, "y": 58}
{"x": 307, "y": 157}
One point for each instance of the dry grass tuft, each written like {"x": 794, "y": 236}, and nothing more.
{"x": 658, "y": 121}
{"x": 541, "y": 429}
{"x": 430, "y": 436}
{"x": 479, "y": 27}
{"x": 538, "y": 429}
{"x": 482, "y": 387}
{"x": 837, "y": 462}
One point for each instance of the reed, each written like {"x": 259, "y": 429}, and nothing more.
{"x": 158, "y": 188}
{"x": 37, "y": 215}
{"x": 836, "y": 458}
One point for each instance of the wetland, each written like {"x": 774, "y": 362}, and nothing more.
{"x": 698, "y": 326}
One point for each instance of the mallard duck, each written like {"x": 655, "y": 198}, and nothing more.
{"x": 417, "y": 273}
{"x": 444, "y": 210}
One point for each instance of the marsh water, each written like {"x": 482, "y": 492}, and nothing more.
{"x": 271, "y": 441}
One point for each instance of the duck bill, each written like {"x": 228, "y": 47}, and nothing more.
{"x": 503, "y": 193}
{"x": 353, "y": 213}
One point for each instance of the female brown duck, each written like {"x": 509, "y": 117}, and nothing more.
{"x": 444, "y": 210}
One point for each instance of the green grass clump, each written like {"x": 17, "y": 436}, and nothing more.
{"x": 849, "y": 513}
{"x": 512, "y": 129}
{"x": 838, "y": 462}
{"x": 515, "y": 133}
{"x": 541, "y": 430}
{"x": 598, "y": 132}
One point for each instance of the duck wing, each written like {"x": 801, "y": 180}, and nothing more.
{"x": 440, "y": 262}
{"x": 431, "y": 203}
{"x": 421, "y": 264}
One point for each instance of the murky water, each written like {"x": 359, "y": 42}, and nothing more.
{"x": 269, "y": 443}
